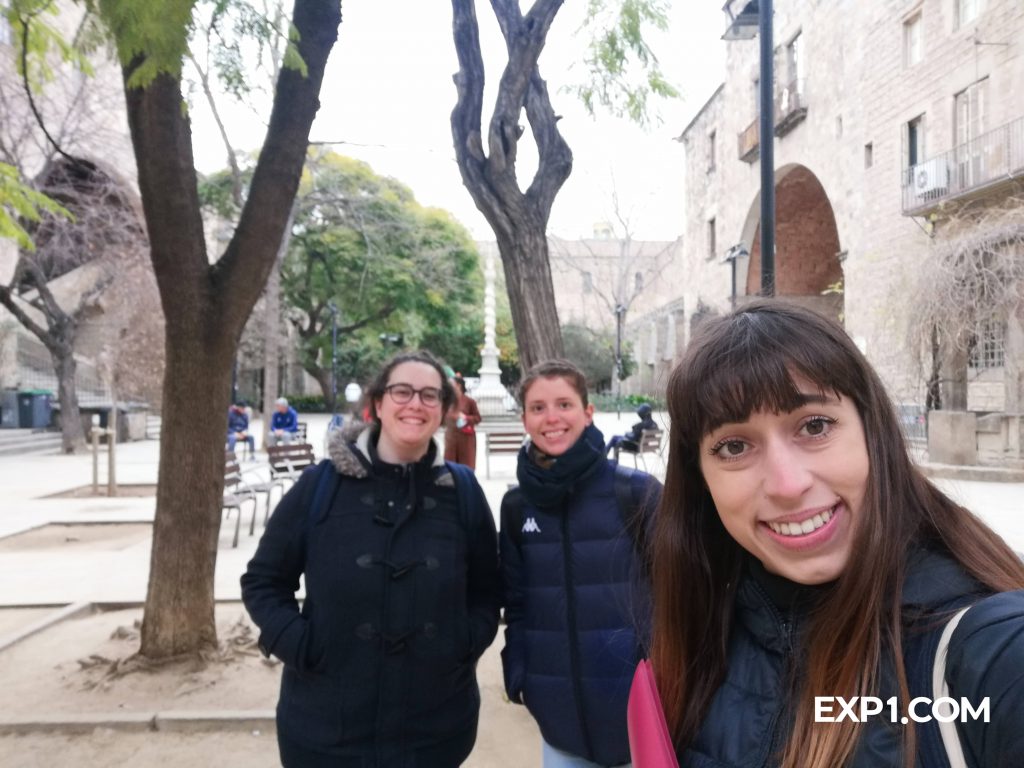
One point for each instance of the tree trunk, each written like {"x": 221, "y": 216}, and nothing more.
{"x": 72, "y": 433}
{"x": 271, "y": 348}
{"x": 519, "y": 219}
{"x": 179, "y": 615}
{"x": 206, "y": 307}
{"x": 323, "y": 378}
{"x": 534, "y": 312}
{"x": 954, "y": 380}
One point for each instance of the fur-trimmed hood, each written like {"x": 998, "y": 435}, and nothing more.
{"x": 348, "y": 449}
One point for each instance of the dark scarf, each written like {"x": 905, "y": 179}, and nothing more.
{"x": 547, "y": 481}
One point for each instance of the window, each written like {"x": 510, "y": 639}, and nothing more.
{"x": 968, "y": 10}
{"x": 638, "y": 281}
{"x": 588, "y": 282}
{"x": 869, "y": 155}
{"x": 711, "y": 151}
{"x": 915, "y": 141}
{"x": 970, "y": 121}
{"x": 712, "y": 247}
{"x": 794, "y": 61}
{"x": 987, "y": 348}
{"x": 912, "y": 43}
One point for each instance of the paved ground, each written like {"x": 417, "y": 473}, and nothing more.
{"x": 116, "y": 571}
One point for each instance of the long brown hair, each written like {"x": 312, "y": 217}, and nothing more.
{"x": 742, "y": 363}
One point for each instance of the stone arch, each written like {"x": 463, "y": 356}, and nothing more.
{"x": 807, "y": 247}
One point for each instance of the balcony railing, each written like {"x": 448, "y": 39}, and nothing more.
{"x": 790, "y": 109}
{"x": 982, "y": 162}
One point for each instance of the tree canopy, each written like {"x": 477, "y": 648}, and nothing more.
{"x": 363, "y": 245}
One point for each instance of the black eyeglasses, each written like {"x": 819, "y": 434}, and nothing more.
{"x": 402, "y": 394}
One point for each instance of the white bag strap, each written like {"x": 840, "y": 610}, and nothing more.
{"x": 940, "y": 689}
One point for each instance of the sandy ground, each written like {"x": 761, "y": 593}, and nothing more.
{"x": 72, "y": 668}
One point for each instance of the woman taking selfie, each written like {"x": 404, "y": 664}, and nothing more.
{"x": 799, "y": 556}
{"x": 399, "y": 554}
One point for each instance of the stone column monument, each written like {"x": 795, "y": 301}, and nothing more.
{"x": 490, "y": 395}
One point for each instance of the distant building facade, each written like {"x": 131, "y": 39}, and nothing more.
{"x": 898, "y": 126}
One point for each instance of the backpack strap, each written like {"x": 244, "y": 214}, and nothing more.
{"x": 326, "y": 483}
{"x": 464, "y": 479}
{"x": 631, "y": 506}
{"x": 940, "y": 689}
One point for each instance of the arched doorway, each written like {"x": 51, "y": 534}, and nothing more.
{"x": 808, "y": 264}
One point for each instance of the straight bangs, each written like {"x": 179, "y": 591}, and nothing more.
{"x": 750, "y": 362}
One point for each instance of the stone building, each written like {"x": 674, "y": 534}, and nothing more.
{"x": 592, "y": 276}
{"x": 899, "y": 137}
{"x": 86, "y": 116}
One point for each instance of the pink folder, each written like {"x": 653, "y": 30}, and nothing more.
{"x": 649, "y": 742}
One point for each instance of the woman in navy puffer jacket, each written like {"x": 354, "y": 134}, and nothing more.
{"x": 576, "y": 601}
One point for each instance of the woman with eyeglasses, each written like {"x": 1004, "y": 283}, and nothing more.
{"x": 399, "y": 554}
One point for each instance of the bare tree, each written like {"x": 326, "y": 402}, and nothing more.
{"x": 617, "y": 271}
{"x": 206, "y": 304}
{"x": 487, "y": 161}
{"x": 215, "y": 72}
{"x": 519, "y": 219}
{"x": 970, "y": 287}
{"x": 54, "y": 118}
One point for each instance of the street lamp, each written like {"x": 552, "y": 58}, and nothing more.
{"x": 742, "y": 27}
{"x": 333, "y": 309}
{"x": 620, "y": 314}
{"x": 738, "y": 251}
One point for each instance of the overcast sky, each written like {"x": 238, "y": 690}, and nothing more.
{"x": 388, "y": 95}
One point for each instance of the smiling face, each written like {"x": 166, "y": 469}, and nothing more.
{"x": 789, "y": 487}
{"x": 406, "y": 429}
{"x": 554, "y": 415}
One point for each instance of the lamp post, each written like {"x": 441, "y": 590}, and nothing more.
{"x": 738, "y": 251}
{"x": 620, "y": 313}
{"x": 333, "y": 309}
{"x": 755, "y": 18}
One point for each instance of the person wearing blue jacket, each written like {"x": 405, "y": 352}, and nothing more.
{"x": 572, "y": 559}
{"x": 283, "y": 424}
{"x": 806, "y": 575}
{"x": 238, "y": 427}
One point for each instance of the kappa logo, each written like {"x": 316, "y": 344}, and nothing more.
{"x": 530, "y": 526}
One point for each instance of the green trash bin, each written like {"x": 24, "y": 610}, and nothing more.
{"x": 34, "y": 411}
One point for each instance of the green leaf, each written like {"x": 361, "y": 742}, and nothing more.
{"x": 20, "y": 201}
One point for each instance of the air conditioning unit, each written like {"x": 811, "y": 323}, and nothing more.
{"x": 931, "y": 178}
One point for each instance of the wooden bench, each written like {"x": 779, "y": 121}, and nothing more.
{"x": 650, "y": 442}
{"x": 502, "y": 440}
{"x": 289, "y": 459}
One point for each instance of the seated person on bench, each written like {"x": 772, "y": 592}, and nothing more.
{"x": 630, "y": 442}
{"x": 283, "y": 424}
{"x": 238, "y": 427}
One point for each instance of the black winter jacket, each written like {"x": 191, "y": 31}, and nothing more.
{"x": 749, "y": 718}
{"x": 402, "y": 598}
{"x": 575, "y": 610}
